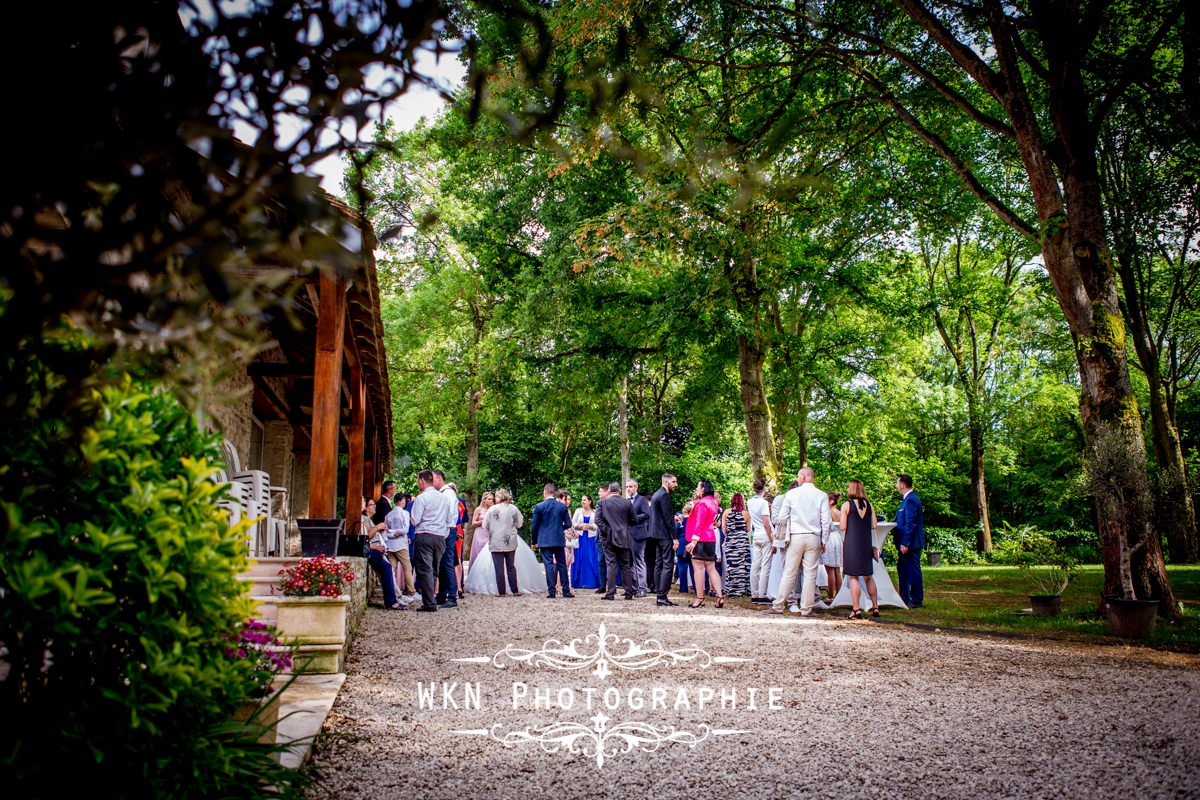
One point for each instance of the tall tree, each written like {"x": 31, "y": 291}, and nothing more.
{"x": 1148, "y": 174}
{"x": 1038, "y": 80}
{"x": 970, "y": 291}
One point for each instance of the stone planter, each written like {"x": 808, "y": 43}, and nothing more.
{"x": 933, "y": 558}
{"x": 263, "y": 712}
{"x": 317, "y": 625}
{"x": 1131, "y": 619}
{"x": 1046, "y": 605}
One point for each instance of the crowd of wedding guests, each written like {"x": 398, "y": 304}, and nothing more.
{"x": 769, "y": 548}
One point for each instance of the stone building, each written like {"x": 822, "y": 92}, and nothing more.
{"x": 313, "y": 409}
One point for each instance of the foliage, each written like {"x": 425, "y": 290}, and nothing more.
{"x": 957, "y": 544}
{"x": 1016, "y": 545}
{"x": 319, "y": 576}
{"x": 256, "y": 648}
{"x": 120, "y": 592}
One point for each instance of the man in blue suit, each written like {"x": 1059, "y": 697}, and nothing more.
{"x": 909, "y": 536}
{"x": 550, "y": 523}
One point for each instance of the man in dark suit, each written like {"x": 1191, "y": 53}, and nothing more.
{"x": 616, "y": 518}
{"x": 601, "y": 540}
{"x": 550, "y": 523}
{"x": 638, "y": 534}
{"x": 384, "y": 505}
{"x": 662, "y": 536}
{"x": 909, "y": 536}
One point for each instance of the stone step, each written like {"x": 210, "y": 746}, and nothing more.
{"x": 260, "y": 585}
{"x": 270, "y": 566}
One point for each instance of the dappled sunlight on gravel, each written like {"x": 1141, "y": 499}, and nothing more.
{"x": 864, "y": 710}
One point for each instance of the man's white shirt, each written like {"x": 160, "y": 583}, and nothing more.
{"x": 429, "y": 512}
{"x": 397, "y": 529}
{"x": 807, "y": 510}
{"x": 756, "y": 508}
{"x": 451, "y": 509}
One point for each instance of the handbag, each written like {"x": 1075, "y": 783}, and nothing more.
{"x": 781, "y": 538}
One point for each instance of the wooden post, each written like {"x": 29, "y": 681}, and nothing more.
{"x": 371, "y": 481}
{"x": 354, "y": 470}
{"x": 327, "y": 394}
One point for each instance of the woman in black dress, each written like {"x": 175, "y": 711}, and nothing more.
{"x": 858, "y": 551}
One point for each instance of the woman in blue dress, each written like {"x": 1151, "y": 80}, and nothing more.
{"x": 585, "y": 571}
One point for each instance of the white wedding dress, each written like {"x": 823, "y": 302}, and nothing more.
{"x": 481, "y": 574}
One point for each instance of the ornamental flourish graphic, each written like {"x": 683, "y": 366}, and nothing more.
{"x": 604, "y": 653}
{"x": 601, "y": 741}
{"x": 600, "y": 651}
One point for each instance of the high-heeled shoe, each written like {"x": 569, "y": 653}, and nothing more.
{"x": 856, "y": 614}
{"x": 720, "y": 602}
{"x": 875, "y": 611}
{"x": 696, "y": 604}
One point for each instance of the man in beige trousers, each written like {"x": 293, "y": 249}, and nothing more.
{"x": 807, "y": 510}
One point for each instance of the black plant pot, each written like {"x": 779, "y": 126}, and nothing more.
{"x": 1131, "y": 619}
{"x": 319, "y": 536}
{"x": 1046, "y": 605}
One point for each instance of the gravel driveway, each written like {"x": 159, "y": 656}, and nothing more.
{"x": 862, "y": 709}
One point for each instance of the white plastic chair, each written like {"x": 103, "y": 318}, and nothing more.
{"x": 256, "y": 491}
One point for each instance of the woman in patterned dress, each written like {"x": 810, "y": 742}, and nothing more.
{"x": 737, "y": 548}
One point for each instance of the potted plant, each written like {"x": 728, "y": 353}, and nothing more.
{"x": 1114, "y": 476}
{"x": 312, "y": 612}
{"x": 1048, "y": 582}
{"x": 255, "y": 648}
{"x": 1049, "y": 570}
{"x": 1128, "y": 616}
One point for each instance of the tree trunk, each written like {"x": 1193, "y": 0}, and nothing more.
{"x": 764, "y": 460}
{"x": 623, "y": 422}
{"x": 1075, "y": 251}
{"x": 473, "y": 404}
{"x": 802, "y": 427}
{"x": 1175, "y": 511}
{"x": 979, "y": 503}
{"x": 970, "y": 380}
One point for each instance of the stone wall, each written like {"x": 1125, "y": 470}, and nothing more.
{"x": 357, "y": 608}
{"x": 229, "y": 409}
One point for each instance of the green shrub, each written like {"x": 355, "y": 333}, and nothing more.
{"x": 117, "y": 588}
{"x": 1026, "y": 544}
{"x": 957, "y": 544}
{"x": 1013, "y": 545}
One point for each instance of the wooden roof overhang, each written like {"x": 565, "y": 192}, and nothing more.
{"x": 290, "y": 381}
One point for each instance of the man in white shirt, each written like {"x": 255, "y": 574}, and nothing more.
{"x": 807, "y": 510}
{"x": 447, "y": 594}
{"x": 396, "y": 539}
{"x": 428, "y": 518}
{"x": 759, "y": 512}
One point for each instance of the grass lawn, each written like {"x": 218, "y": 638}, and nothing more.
{"x": 990, "y": 598}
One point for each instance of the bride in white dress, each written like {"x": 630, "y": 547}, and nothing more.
{"x": 500, "y": 525}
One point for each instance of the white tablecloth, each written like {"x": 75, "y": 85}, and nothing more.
{"x": 888, "y": 596}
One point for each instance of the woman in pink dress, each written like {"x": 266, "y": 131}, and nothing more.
{"x": 479, "y": 535}
{"x": 702, "y": 543}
